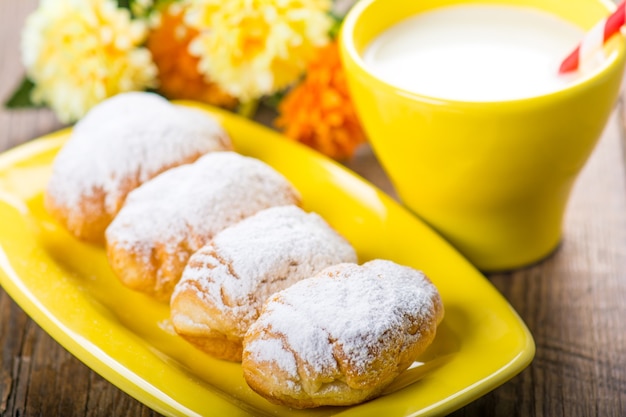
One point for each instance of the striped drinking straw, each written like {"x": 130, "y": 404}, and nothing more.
{"x": 594, "y": 39}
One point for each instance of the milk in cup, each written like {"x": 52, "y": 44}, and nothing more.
{"x": 477, "y": 53}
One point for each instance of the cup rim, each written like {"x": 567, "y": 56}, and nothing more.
{"x": 615, "y": 61}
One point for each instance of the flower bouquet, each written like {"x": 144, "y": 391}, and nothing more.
{"x": 233, "y": 54}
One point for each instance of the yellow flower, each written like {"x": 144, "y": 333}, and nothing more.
{"x": 256, "y": 47}
{"x": 178, "y": 75}
{"x": 319, "y": 112}
{"x": 80, "y": 52}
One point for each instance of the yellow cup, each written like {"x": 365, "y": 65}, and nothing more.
{"x": 492, "y": 177}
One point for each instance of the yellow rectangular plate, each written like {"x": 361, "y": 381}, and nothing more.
{"x": 67, "y": 287}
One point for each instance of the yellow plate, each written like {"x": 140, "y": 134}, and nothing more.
{"x": 67, "y": 287}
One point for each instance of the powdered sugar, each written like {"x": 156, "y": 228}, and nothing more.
{"x": 129, "y": 139}
{"x": 346, "y": 313}
{"x": 265, "y": 253}
{"x": 273, "y": 350}
{"x": 181, "y": 209}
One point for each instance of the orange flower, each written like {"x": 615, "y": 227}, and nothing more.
{"x": 178, "y": 70}
{"x": 319, "y": 112}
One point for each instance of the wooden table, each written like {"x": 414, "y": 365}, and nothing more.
{"x": 573, "y": 302}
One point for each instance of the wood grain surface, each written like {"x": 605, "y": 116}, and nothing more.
{"x": 574, "y": 302}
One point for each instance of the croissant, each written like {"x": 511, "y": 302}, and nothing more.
{"x": 173, "y": 215}
{"x": 340, "y": 337}
{"x": 120, "y": 144}
{"x": 227, "y": 281}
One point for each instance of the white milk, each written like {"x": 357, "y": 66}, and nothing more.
{"x": 475, "y": 53}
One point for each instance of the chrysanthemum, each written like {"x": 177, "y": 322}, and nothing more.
{"x": 179, "y": 77}
{"x": 319, "y": 112}
{"x": 256, "y": 47}
{"x": 79, "y": 52}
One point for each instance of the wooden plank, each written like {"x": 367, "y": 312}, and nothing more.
{"x": 573, "y": 302}
{"x": 37, "y": 376}
{"x": 574, "y": 305}
{"x": 17, "y": 126}
{"x": 40, "y": 378}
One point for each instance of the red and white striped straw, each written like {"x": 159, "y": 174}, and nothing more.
{"x": 594, "y": 39}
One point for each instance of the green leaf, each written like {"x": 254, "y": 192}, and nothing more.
{"x": 20, "y": 99}
{"x": 142, "y": 10}
{"x": 336, "y": 26}
{"x": 124, "y": 4}
{"x": 248, "y": 108}
{"x": 274, "y": 100}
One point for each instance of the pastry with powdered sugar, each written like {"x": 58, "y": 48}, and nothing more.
{"x": 164, "y": 221}
{"x": 227, "y": 281}
{"x": 342, "y": 336}
{"x": 120, "y": 144}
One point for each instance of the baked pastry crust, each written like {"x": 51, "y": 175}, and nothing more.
{"x": 341, "y": 337}
{"x": 120, "y": 144}
{"x": 170, "y": 217}
{"x": 226, "y": 282}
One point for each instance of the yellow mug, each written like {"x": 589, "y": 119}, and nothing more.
{"x": 492, "y": 177}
